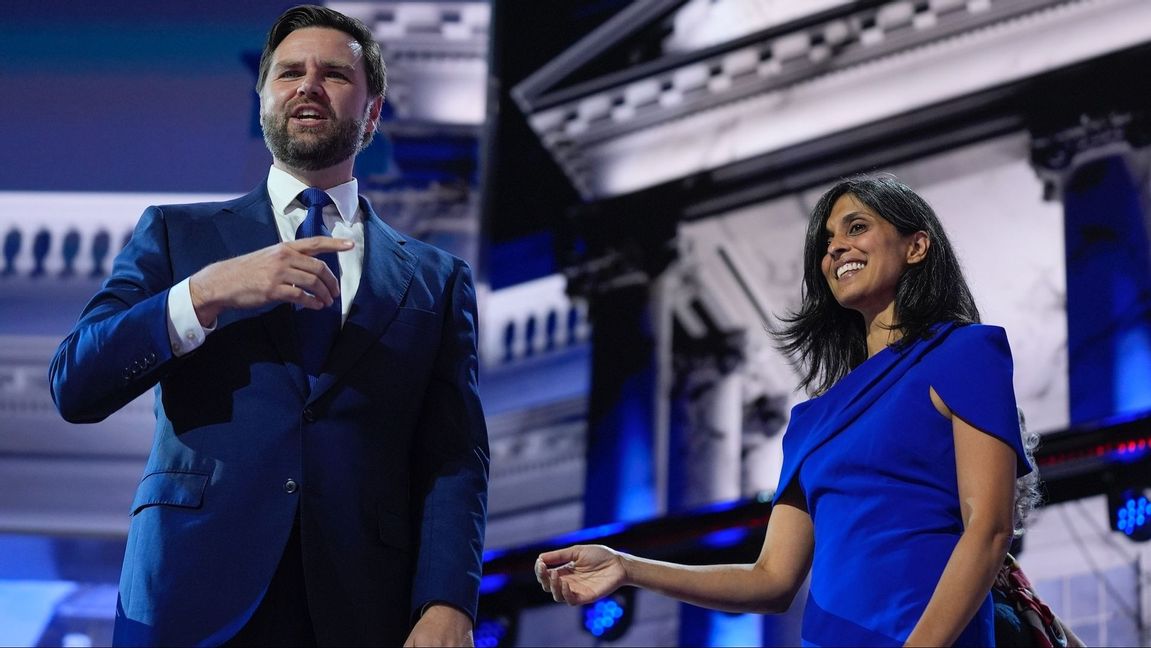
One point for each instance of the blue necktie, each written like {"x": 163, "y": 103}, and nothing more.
{"x": 317, "y": 328}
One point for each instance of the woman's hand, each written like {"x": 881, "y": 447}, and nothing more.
{"x": 581, "y": 574}
{"x": 586, "y": 573}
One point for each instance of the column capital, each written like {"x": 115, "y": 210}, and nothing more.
{"x": 720, "y": 352}
{"x": 601, "y": 248}
{"x": 1058, "y": 152}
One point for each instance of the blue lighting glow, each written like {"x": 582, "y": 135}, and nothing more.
{"x": 489, "y": 633}
{"x": 592, "y": 532}
{"x": 724, "y": 538}
{"x": 1131, "y": 517}
{"x": 718, "y": 507}
{"x": 602, "y": 616}
{"x": 735, "y": 629}
{"x": 1132, "y": 359}
{"x": 493, "y": 583}
{"x": 636, "y": 499}
{"x": 1128, "y": 453}
{"x": 574, "y": 537}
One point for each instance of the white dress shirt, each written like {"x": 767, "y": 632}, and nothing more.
{"x": 343, "y": 219}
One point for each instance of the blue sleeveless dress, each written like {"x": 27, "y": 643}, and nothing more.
{"x": 876, "y": 463}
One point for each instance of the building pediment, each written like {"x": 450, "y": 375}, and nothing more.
{"x": 636, "y": 104}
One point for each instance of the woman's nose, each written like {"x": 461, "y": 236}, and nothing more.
{"x": 835, "y": 247}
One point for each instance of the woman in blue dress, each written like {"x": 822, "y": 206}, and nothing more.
{"x": 898, "y": 480}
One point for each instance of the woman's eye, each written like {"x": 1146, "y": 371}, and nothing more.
{"x": 856, "y": 228}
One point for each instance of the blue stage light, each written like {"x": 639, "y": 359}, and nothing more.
{"x": 494, "y": 631}
{"x": 609, "y": 618}
{"x": 1130, "y": 510}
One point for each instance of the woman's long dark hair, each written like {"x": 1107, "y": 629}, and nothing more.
{"x": 825, "y": 340}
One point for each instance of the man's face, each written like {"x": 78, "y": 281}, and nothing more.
{"x": 314, "y": 105}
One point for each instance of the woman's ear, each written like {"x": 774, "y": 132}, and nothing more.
{"x": 917, "y": 251}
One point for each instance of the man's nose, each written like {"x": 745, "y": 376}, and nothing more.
{"x": 310, "y": 85}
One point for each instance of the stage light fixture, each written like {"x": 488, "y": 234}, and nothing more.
{"x": 495, "y": 631}
{"x": 1130, "y": 513}
{"x": 609, "y": 618}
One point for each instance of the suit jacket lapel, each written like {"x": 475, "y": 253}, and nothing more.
{"x": 247, "y": 224}
{"x": 387, "y": 273}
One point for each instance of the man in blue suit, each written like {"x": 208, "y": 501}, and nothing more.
{"x": 288, "y": 501}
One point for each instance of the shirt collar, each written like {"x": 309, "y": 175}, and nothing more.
{"x": 284, "y": 189}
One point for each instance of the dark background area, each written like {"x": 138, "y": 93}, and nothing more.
{"x": 524, "y": 194}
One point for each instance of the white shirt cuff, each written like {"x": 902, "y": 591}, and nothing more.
{"x": 184, "y": 330}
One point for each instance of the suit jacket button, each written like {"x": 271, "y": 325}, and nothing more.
{"x": 291, "y": 486}
{"x": 309, "y": 415}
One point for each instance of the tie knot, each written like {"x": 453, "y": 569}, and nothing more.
{"x": 313, "y": 225}
{"x": 313, "y": 197}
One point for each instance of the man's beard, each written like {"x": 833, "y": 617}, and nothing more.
{"x": 312, "y": 153}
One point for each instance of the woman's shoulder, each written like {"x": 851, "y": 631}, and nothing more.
{"x": 963, "y": 356}
{"x": 958, "y": 352}
{"x": 974, "y": 338}
{"x": 973, "y": 373}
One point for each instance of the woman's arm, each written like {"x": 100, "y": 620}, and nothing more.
{"x": 585, "y": 573}
{"x": 985, "y": 467}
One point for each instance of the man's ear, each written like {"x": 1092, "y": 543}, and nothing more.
{"x": 920, "y": 243}
{"x": 372, "y": 113}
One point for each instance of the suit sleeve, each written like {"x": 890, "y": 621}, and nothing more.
{"x": 452, "y": 463}
{"x": 120, "y": 345}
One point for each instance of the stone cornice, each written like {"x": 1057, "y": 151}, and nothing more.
{"x": 436, "y": 54}
{"x": 794, "y": 83}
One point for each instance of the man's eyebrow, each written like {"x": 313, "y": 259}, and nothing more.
{"x": 329, "y": 65}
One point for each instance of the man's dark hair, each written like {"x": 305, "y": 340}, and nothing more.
{"x": 314, "y": 16}
{"x": 826, "y": 340}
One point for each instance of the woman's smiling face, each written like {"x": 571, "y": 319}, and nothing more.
{"x": 866, "y": 255}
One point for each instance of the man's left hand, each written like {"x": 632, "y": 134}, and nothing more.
{"x": 441, "y": 625}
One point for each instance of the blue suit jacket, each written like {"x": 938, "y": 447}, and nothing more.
{"x": 388, "y": 453}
